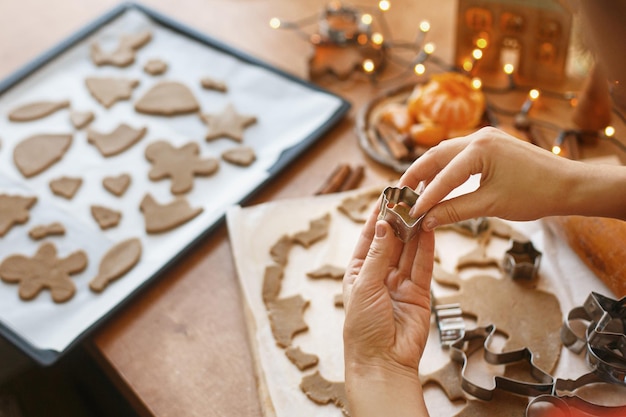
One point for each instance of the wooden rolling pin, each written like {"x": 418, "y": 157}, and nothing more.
{"x": 601, "y": 244}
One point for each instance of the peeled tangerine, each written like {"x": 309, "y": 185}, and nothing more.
{"x": 448, "y": 100}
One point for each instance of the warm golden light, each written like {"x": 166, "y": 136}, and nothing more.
{"x": 481, "y": 43}
{"x": 556, "y": 149}
{"x": 609, "y": 131}
{"x": 476, "y": 83}
{"x": 384, "y": 5}
{"x": 533, "y": 94}
{"x": 508, "y": 69}
{"x": 467, "y": 65}
{"x": 424, "y": 26}
{"x": 367, "y": 19}
{"x": 419, "y": 69}
{"x": 477, "y": 54}
{"x": 274, "y": 23}
{"x": 429, "y": 48}
{"x": 368, "y": 65}
{"x": 377, "y": 38}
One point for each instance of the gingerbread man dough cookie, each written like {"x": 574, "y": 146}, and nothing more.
{"x": 14, "y": 210}
{"x": 44, "y": 270}
{"x": 179, "y": 164}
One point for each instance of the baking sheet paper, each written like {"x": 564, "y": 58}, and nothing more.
{"x": 253, "y": 230}
{"x": 287, "y": 112}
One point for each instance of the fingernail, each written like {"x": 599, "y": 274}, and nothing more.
{"x": 429, "y": 224}
{"x": 381, "y": 230}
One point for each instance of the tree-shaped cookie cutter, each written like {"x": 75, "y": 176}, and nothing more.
{"x": 394, "y": 208}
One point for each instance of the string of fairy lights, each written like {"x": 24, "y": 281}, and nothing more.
{"x": 343, "y": 25}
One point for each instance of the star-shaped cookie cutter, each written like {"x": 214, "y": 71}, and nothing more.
{"x": 522, "y": 260}
{"x": 394, "y": 208}
{"x": 544, "y": 384}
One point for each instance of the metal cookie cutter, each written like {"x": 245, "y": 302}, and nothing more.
{"x": 521, "y": 260}
{"x": 394, "y": 208}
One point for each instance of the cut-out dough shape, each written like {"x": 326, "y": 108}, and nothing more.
{"x": 227, "y": 124}
{"x": 117, "y": 141}
{"x": 124, "y": 54}
{"x": 66, "y": 186}
{"x": 286, "y": 318}
{"x": 81, "y": 119}
{"x": 37, "y": 153}
{"x": 301, "y": 359}
{"x": 164, "y": 217}
{"x": 180, "y": 164}
{"x": 280, "y": 250}
{"x": 357, "y": 208}
{"x": 105, "y": 217}
{"x": 36, "y": 110}
{"x": 211, "y": 84}
{"x": 168, "y": 98}
{"x": 155, "y": 67}
{"x": 45, "y": 230}
{"x": 107, "y": 91}
{"x": 14, "y": 209}
{"x": 272, "y": 282}
{"x": 318, "y": 229}
{"x": 322, "y": 391}
{"x": 117, "y": 185}
{"x": 44, "y": 270}
{"x": 117, "y": 262}
{"x": 242, "y": 155}
{"x": 327, "y": 271}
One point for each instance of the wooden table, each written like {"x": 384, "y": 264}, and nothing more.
{"x": 181, "y": 348}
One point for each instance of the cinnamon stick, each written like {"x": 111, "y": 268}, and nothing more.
{"x": 335, "y": 180}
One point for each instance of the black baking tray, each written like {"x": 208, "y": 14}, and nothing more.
{"x": 47, "y": 357}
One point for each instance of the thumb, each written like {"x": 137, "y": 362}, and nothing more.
{"x": 376, "y": 264}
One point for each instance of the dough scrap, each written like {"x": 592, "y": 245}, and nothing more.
{"x": 286, "y": 317}
{"x": 227, "y": 124}
{"x": 322, "y": 391}
{"x": 117, "y": 141}
{"x": 36, "y": 110}
{"x": 180, "y": 164}
{"x": 242, "y": 155}
{"x": 107, "y": 90}
{"x": 14, "y": 209}
{"x": 168, "y": 98}
{"x": 164, "y": 217}
{"x": 211, "y": 84}
{"x": 116, "y": 262}
{"x": 327, "y": 271}
{"x": 272, "y": 283}
{"x": 318, "y": 229}
{"x": 155, "y": 67}
{"x": 357, "y": 208}
{"x": 124, "y": 54}
{"x": 66, "y": 186}
{"x": 81, "y": 119}
{"x": 105, "y": 217}
{"x": 280, "y": 250}
{"x": 44, "y": 270}
{"x": 45, "y": 230}
{"x": 37, "y": 153}
{"x": 301, "y": 359}
{"x": 117, "y": 185}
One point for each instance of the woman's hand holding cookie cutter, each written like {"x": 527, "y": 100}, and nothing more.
{"x": 394, "y": 208}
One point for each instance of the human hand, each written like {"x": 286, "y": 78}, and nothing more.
{"x": 519, "y": 181}
{"x": 387, "y": 304}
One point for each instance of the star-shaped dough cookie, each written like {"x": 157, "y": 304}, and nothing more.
{"x": 227, "y": 124}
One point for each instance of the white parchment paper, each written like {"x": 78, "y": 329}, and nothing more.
{"x": 253, "y": 230}
{"x": 287, "y": 113}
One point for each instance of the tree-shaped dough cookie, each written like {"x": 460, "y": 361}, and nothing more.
{"x": 180, "y": 164}
{"x": 44, "y": 270}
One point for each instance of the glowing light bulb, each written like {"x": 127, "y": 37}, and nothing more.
{"x": 419, "y": 69}
{"x": 609, "y": 131}
{"x": 508, "y": 69}
{"x": 556, "y": 149}
{"x": 274, "y": 23}
{"x": 476, "y": 83}
{"x": 534, "y": 94}
{"x": 384, "y": 5}
{"x": 368, "y": 65}
{"x": 481, "y": 43}
{"x": 467, "y": 65}
{"x": 367, "y": 19}
{"x": 429, "y": 48}
{"x": 377, "y": 38}
{"x": 477, "y": 54}
{"x": 424, "y": 26}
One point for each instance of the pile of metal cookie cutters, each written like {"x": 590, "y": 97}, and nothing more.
{"x": 605, "y": 343}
